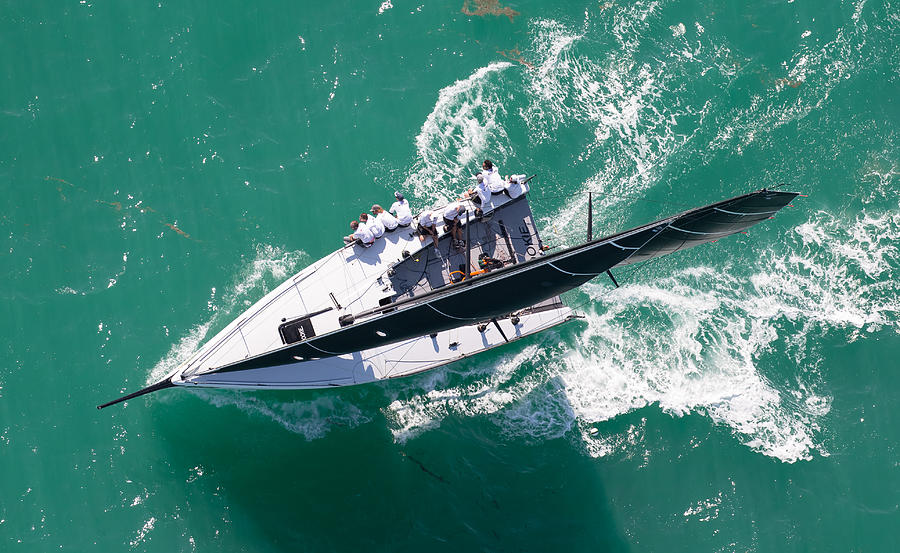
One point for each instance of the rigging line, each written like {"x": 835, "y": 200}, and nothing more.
{"x": 630, "y": 273}
{"x": 320, "y": 349}
{"x": 654, "y": 235}
{"x": 748, "y": 213}
{"x": 608, "y": 290}
{"x": 571, "y": 274}
{"x": 451, "y": 316}
{"x": 640, "y": 266}
{"x": 364, "y": 292}
{"x": 396, "y": 362}
{"x": 418, "y": 281}
{"x": 695, "y": 232}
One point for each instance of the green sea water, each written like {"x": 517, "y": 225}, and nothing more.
{"x": 165, "y": 164}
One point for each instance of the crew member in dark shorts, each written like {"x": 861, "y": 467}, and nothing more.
{"x": 453, "y": 223}
{"x": 426, "y": 226}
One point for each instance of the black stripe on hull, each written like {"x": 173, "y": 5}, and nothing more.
{"x": 514, "y": 287}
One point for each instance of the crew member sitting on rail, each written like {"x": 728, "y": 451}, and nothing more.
{"x": 479, "y": 195}
{"x": 427, "y": 220}
{"x": 492, "y": 177}
{"x": 516, "y": 186}
{"x": 400, "y": 208}
{"x": 385, "y": 218}
{"x": 361, "y": 235}
{"x": 372, "y": 224}
{"x": 453, "y": 223}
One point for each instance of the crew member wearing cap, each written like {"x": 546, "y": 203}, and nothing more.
{"x": 361, "y": 235}
{"x": 400, "y": 208}
{"x": 389, "y": 221}
{"x": 516, "y": 186}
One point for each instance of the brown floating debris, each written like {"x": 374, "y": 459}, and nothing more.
{"x": 178, "y": 230}
{"x": 115, "y": 205}
{"x": 60, "y": 180}
{"x": 489, "y": 7}
{"x": 515, "y": 55}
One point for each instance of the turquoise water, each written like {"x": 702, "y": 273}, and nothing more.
{"x": 164, "y": 165}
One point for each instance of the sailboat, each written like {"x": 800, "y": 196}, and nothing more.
{"x": 402, "y": 305}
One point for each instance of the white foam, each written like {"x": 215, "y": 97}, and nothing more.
{"x": 270, "y": 266}
{"x": 814, "y": 71}
{"x": 142, "y": 533}
{"x": 639, "y": 126}
{"x": 179, "y": 353}
{"x": 311, "y": 419}
{"x": 839, "y": 274}
{"x": 385, "y": 6}
{"x": 705, "y": 509}
{"x": 697, "y": 341}
{"x": 877, "y": 175}
{"x": 463, "y": 126}
{"x": 412, "y": 415}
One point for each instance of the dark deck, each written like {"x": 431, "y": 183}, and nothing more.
{"x": 508, "y": 234}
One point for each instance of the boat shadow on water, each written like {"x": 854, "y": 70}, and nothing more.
{"x": 460, "y": 485}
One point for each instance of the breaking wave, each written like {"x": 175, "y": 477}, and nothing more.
{"x": 312, "y": 419}
{"x": 644, "y": 116}
{"x": 699, "y": 340}
{"x": 463, "y": 126}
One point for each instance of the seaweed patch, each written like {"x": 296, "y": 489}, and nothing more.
{"x": 489, "y": 7}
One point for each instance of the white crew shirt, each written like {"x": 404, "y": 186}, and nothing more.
{"x": 517, "y": 186}
{"x": 484, "y": 193}
{"x": 387, "y": 220}
{"x": 376, "y": 226}
{"x": 493, "y": 180}
{"x": 428, "y": 218}
{"x": 401, "y": 210}
{"x": 364, "y": 234}
{"x": 453, "y": 211}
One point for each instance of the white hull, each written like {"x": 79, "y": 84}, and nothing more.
{"x": 392, "y": 361}
{"x": 350, "y": 280}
